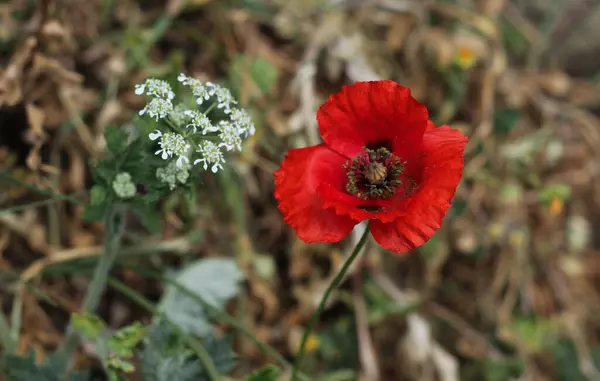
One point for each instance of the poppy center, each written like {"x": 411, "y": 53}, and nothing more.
{"x": 374, "y": 174}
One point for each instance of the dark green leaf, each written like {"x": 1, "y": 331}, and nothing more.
{"x": 505, "y": 120}
{"x": 24, "y": 368}
{"x": 566, "y": 361}
{"x": 93, "y": 213}
{"x": 104, "y": 171}
{"x": 149, "y": 215}
{"x": 514, "y": 41}
{"x": 116, "y": 140}
{"x": 268, "y": 373}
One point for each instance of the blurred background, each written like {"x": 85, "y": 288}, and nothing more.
{"x": 506, "y": 290}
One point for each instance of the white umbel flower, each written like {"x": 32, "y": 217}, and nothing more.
{"x": 158, "y": 108}
{"x": 123, "y": 186}
{"x": 199, "y": 121}
{"x": 171, "y": 144}
{"x": 155, "y": 88}
{"x": 224, "y": 98}
{"x": 241, "y": 118}
{"x": 172, "y": 175}
{"x": 199, "y": 89}
{"x": 211, "y": 155}
{"x": 230, "y": 136}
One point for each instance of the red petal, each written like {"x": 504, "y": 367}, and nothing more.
{"x": 370, "y": 112}
{"x": 442, "y": 170}
{"x": 296, "y": 183}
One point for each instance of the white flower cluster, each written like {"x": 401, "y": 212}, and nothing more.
{"x": 161, "y": 104}
{"x": 123, "y": 186}
{"x": 172, "y": 174}
{"x": 171, "y": 144}
{"x": 204, "y": 91}
{"x": 189, "y": 128}
{"x": 211, "y": 155}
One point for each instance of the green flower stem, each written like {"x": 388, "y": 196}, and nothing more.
{"x": 140, "y": 300}
{"x": 336, "y": 282}
{"x": 115, "y": 227}
{"x": 210, "y": 108}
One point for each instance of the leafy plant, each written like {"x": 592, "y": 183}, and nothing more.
{"x": 116, "y": 350}
{"x": 165, "y": 356}
{"x": 25, "y": 368}
{"x": 267, "y": 373}
{"x": 216, "y": 280}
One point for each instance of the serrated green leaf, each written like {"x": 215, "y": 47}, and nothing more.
{"x": 116, "y": 140}
{"x": 149, "y": 215}
{"x": 89, "y": 326}
{"x": 215, "y": 280}
{"x": 267, "y": 373}
{"x": 104, "y": 171}
{"x": 122, "y": 342}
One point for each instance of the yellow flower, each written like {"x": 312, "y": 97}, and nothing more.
{"x": 312, "y": 343}
{"x": 465, "y": 57}
{"x": 556, "y": 206}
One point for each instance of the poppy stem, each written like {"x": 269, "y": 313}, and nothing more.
{"x": 336, "y": 282}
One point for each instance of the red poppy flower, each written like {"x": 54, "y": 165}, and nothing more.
{"x": 382, "y": 160}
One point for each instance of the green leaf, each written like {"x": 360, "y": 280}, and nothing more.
{"x": 148, "y": 214}
{"x": 122, "y": 342}
{"x": 220, "y": 352}
{"x": 17, "y": 368}
{"x": 255, "y": 70}
{"x": 215, "y": 280}
{"x": 267, "y": 373}
{"x": 166, "y": 358}
{"x": 88, "y": 325}
{"x": 560, "y": 191}
{"x": 117, "y": 363}
{"x": 104, "y": 171}
{"x": 116, "y": 140}
{"x": 495, "y": 369}
{"x": 93, "y": 213}
{"x": 515, "y": 43}
{"x": 506, "y": 119}
{"x": 566, "y": 361}
{"x": 97, "y": 195}
{"x": 264, "y": 74}
{"x": 338, "y": 346}
{"x": 535, "y": 333}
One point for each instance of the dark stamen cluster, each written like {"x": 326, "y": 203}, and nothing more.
{"x": 374, "y": 174}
